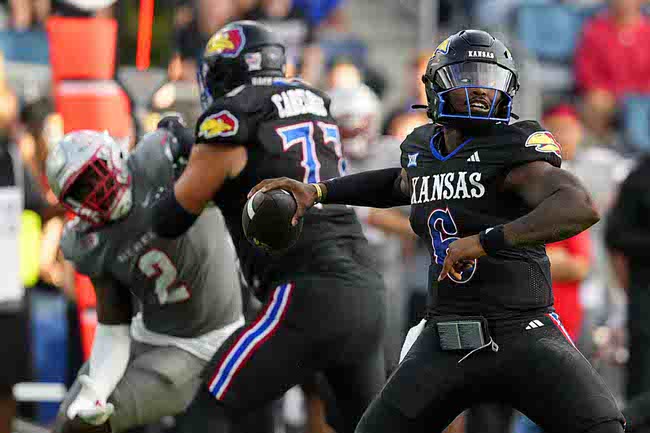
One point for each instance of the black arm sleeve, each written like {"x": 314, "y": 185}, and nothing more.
{"x": 171, "y": 220}
{"x": 374, "y": 188}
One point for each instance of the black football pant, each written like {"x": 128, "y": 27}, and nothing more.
{"x": 537, "y": 371}
{"x": 330, "y": 323}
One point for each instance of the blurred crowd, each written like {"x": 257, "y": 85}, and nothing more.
{"x": 590, "y": 87}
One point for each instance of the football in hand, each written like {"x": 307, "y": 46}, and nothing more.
{"x": 266, "y": 220}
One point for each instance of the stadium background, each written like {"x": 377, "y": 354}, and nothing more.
{"x": 559, "y": 46}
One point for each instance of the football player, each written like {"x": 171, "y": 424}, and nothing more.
{"x": 163, "y": 306}
{"x": 323, "y": 307}
{"x": 486, "y": 196}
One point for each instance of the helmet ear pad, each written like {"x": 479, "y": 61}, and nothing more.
{"x": 433, "y": 99}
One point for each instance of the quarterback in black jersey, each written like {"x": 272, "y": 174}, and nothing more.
{"x": 323, "y": 301}
{"x": 486, "y": 196}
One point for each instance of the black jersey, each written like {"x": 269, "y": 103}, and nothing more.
{"x": 460, "y": 195}
{"x": 288, "y": 131}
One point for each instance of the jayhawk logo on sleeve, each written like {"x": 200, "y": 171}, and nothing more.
{"x": 544, "y": 142}
{"x": 227, "y": 43}
{"x": 222, "y": 124}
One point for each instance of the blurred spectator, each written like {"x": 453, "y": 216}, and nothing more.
{"x": 344, "y": 74}
{"x": 628, "y": 233}
{"x": 348, "y": 72}
{"x": 601, "y": 169}
{"x": 42, "y": 128}
{"x": 190, "y": 39}
{"x": 243, "y": 7}
{"x": 404, "y": 123}
{"x": 357, "y": 111}
{"x": 35, "y": 117}
{"x": 570, "y": 258}
{"x": 612, "y": 60}
{"x": 295, "y": 30}
{"x": 176, "y": 96}
{"x": 415, "y": 92}
{"x": 27, "y": 13}
{"x": 319, "y": 11}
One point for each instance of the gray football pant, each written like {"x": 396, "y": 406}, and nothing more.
{"x": 159, "y": 381}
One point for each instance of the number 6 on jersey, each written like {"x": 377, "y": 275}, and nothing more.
{"x": 442, "y": 227}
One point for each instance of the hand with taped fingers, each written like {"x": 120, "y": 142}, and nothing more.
{"x": 306, "y": 195}
{"x": 460, "y": 256}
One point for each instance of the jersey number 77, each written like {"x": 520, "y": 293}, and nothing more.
{"x": 303, "y": 134}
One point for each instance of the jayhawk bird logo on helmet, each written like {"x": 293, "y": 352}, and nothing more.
{"x": 227, "y": 43}
{"x": 443, "y": 48}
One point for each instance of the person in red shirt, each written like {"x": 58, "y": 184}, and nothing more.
{"x": 570, "y": 258}
{"x": 611, "y": 60}
{"x": 570, "y": 262}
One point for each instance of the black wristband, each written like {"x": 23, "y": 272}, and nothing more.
{"x": 493, "y": 240}
{"x": 170, "y": 218}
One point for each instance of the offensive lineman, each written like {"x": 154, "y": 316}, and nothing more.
{"x": 486, "y": 196}
{"x": 323, "y": 308}
{"x": 185, "y": 292}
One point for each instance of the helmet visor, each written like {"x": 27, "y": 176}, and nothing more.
{"x": 476, "y": 74}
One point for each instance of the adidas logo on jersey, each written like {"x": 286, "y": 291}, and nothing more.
{"x": 474, "y": 158}
{"x": 534, "y": 324}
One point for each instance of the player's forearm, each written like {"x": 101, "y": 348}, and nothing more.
{"x": 109, "y": 357}
{"x": 563, "y": 214}
{"x": 373, "y": 188}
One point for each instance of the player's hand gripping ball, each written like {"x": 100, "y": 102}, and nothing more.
{"x": 266, "y": 220}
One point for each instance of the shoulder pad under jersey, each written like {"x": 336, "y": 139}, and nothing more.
{"x": 80, "y": 245}
{"x": 528, "y": 141}
{"x": 152, "y": 157}
{"x": 228, "y": 119}
{"x": 416, "y": 145}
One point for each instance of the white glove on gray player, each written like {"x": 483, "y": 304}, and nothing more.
{"x": 412, "y": 335}
{"x": 89, "y": 405}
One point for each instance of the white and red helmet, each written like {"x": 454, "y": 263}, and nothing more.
{"x": 357, "y": 111}
{"x": 88, "y": 173}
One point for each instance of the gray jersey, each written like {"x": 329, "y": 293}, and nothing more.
{"x": 185, "y": 286}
